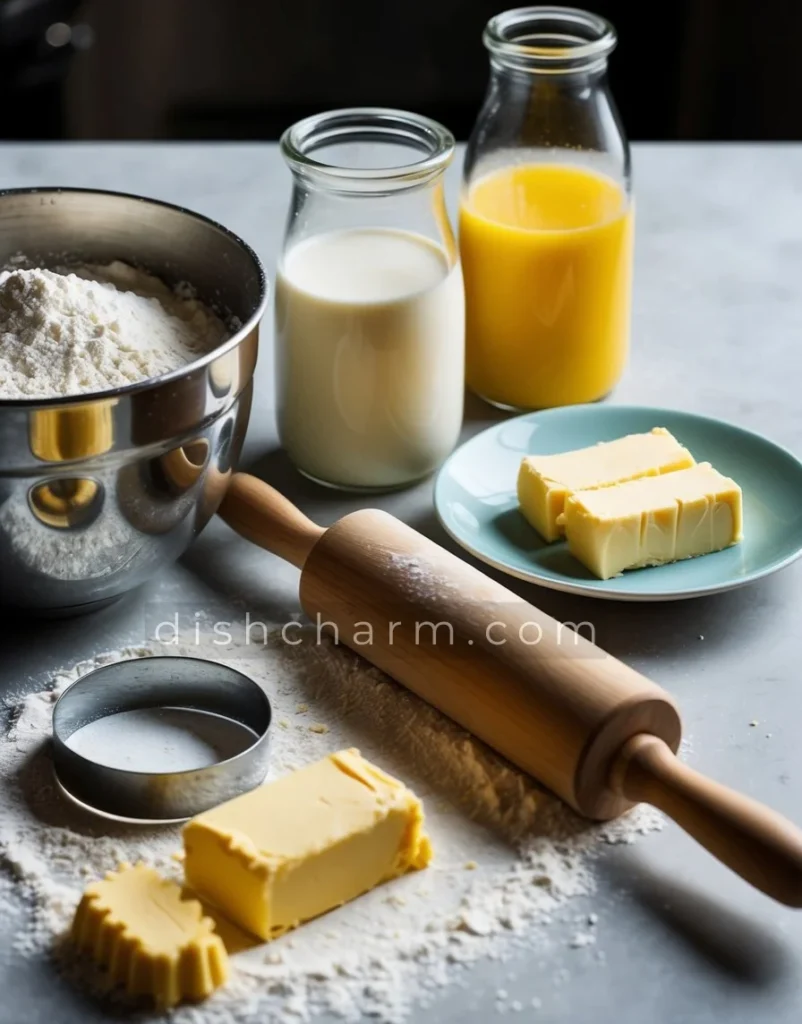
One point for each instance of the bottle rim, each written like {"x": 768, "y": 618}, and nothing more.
{"x": 432, "y": 141}
{"x": 550, "y": 39}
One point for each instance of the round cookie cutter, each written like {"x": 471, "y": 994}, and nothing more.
{"x": 194, "y": 687}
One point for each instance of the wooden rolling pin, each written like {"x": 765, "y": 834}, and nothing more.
{"x": 596, "y": 732}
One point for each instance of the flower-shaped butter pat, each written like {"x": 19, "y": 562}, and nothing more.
{"x": 151, "y": 940}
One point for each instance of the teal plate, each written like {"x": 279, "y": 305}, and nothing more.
{"x": 476, "y": 503}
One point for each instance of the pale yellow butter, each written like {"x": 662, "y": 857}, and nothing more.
{"x": 150, "y": 938}
{"x": 653, "y": 520}
{"x": 545, "y": 481}
{"x": 298, "y": 847}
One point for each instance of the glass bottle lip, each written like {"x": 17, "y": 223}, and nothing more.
{"x": 550, "y": 40}
{"x": 431, "y": 140}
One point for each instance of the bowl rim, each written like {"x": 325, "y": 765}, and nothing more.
{"x": 197, "y": 364}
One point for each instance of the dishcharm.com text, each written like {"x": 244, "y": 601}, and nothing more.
{"x": 254, "y": 632}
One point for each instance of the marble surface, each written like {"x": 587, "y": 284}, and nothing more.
{"x": 717, "y": 329}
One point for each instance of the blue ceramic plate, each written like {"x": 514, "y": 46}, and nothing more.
{"x": 476, "y": 503}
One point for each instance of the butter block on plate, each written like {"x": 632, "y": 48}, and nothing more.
{"x": 654, "y": 520}
{"x": 545, "y": 481}
{"x": 304, "y": 844}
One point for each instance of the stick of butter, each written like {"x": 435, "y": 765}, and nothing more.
{"x": 655, "y": 520}
{"x": 545, "y": 481}
{"x": 298, "y": 847}
{"x": 150, "y": 938}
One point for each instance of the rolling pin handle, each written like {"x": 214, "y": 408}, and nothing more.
{"x": 265, "y": 517}
{"x": 760, "y": 845}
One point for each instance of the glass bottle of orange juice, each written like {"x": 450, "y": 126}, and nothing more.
{"x": 546, "y": 220}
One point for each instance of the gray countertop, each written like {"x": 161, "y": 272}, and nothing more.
{"x": 717, "y": 329}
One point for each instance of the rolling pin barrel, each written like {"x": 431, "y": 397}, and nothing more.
{"x": 534, "y": 689}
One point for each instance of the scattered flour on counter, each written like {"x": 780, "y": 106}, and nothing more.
{"x": 507, "y": 855}
{"x": 69, "y": 333}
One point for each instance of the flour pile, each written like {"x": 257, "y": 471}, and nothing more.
{"x": 508, "y": 856}
{"x": 94, "y": 329}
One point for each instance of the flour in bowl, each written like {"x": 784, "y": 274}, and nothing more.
{"x": 95, "y": 328}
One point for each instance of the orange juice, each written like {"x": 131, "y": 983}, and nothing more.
{"x": 547, "y": 260}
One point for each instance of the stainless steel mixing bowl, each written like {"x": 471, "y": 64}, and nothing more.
{"x": 98, "y": 492}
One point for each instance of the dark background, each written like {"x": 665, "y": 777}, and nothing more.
{"x": 245, "y": 69}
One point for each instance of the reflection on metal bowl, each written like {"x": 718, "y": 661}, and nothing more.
{"x": 97, "y": 492}
{"x": 74, "y": 432}
{"x": 66, "y": 503}
{"x": 156, "y": 494}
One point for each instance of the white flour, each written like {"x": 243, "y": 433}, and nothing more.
{"x": 508, "y": 855}
{"x": 101, "y": 328}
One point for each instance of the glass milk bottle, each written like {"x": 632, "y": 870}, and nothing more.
{"x": 546, "y": 222}
{"x": 370, "y": 317}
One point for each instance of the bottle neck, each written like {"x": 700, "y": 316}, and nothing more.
{"x": 367, "y": 152}
{"x": 572, "y": 111}
{"x": 549, "y": 41}
{"x": 419, "y": 211}
{"x": 583, "y": 76}
{"x": 548, "y": 98}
